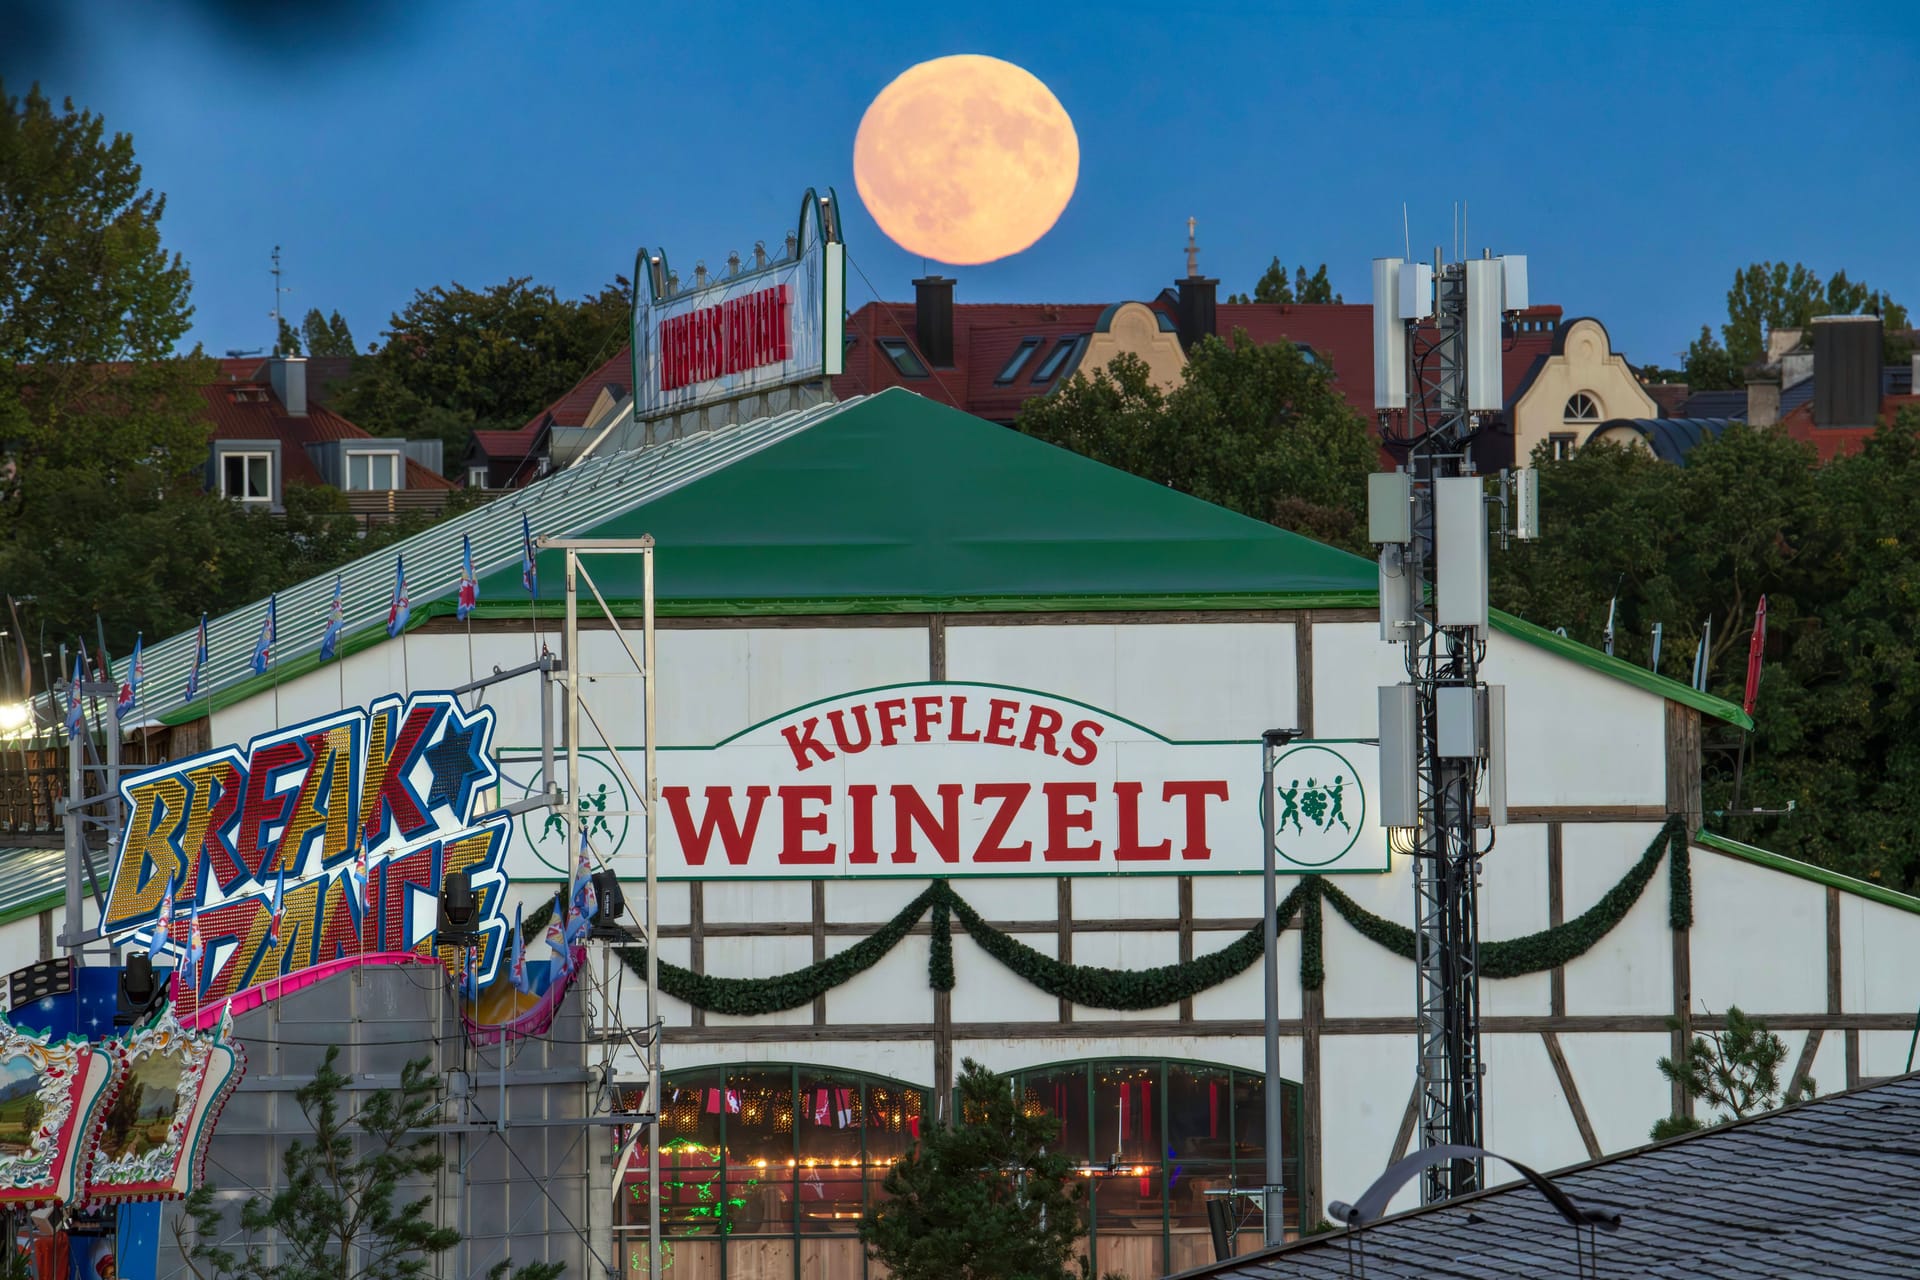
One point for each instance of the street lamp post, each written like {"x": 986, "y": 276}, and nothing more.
{"x": 1273, "y": 1213}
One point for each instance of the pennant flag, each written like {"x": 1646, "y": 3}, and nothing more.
{"x": 130, "y": 688}
{"x": 263, "y": 647}
{"x": 557, "y": 937}
{"x": 162, "y": 932}
{"x": 1700, "y": 655}
{"x": 469, "y": 585}
{"x": 1607, "y": 638}
{"x": 517, "y": 974}
{"x": 279, "y": 907}
{"x": 397, "y": 611}
{"x": 199, "y": 660}
{"x": 1756, "y": 649}
{"x": 359, "y": 877}
{"x": 1654, "y": 665}
{"x": 586, "y": 903}
{"x": 336, "y": 612}
{"x": 529, "y": 578}
{"x": 76, "y": 717}
{"x": 194, "y": 947}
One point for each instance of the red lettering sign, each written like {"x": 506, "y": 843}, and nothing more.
{"x": 728, "y": 337}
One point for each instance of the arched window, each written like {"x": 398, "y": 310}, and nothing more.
{"x": 1153, "y": 1136}
{"x": 766, "y": 1170}
{"x": 1581, "y": 407}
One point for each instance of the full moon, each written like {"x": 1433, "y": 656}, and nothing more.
{"x": 966, "y": 159}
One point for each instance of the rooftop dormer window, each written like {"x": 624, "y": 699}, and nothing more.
{"x": 1017, "y": 361}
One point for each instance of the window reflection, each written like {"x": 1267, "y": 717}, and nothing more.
{"x": 759, "y": 1151}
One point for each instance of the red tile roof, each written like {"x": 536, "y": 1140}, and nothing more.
{"x": 250, "y": 411}
{"x": 614, "y": 375}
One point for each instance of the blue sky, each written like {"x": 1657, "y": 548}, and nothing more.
{"x": 1638, "y": 153}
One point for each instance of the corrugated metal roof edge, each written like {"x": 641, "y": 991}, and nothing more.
{"x": 34, "y": 908}
{"x": 1807, "y": 871}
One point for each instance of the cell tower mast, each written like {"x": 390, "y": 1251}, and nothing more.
{"x": 1437, "y": 332}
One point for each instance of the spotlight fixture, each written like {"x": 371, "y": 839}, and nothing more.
{"x": 457, "y": 912}
{"x": 612, "y": 905}
{"x": 140, "y": 991}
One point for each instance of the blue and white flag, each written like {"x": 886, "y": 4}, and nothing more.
{"x": 529, "y": 577}
{"x": 263, "y": 647}
{"x": 130, "y": 687}
{"x": 199, "y": 661}
{"x": 401, "y": 607}
{"x": 469, "y": 585}
{"x": 517, "y": 973}
{"x": 335, "y": 613}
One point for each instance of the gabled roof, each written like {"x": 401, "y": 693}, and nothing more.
{"x": 1716, "y": 404}
{"x": 1826, "y": 1188}
{"x": 887, "y": 504}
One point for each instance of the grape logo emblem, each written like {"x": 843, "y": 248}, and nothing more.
{"x": 1318, "y": 806}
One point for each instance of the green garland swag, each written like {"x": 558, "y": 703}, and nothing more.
{"x": 1101, "y": 988}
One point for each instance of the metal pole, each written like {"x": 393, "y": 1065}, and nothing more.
{"x": 1273, "y": 1216}
{"x": 653, "y": 944}
{"x": 72, "y": 830}
{"x": 1273, "y": 1200}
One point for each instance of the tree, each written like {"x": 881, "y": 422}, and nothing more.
{"x": 100, "y": 421}
{"x": 327, "y": 335}
{"x": 1737, "y": 1070}
{"x": 337, "y": 1215}
{"x": 1258, "y": 429}
{"x": 1272, "y": 286}
{"x": 1771, "y": 295}
{"x": 288, "y": 343}
{"x": 985, "y": 1199}
{"x": 456, "y": 359}
{"x": 1708, "y": 367}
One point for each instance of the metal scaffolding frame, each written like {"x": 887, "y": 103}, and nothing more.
{"x": 603, "y": 1014}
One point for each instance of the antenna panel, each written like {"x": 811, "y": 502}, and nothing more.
{"x": 1399, "y": 757}
{"x": 1416, "y": 291}
{"x": 1513, "y": 287}
{"x": 1484, "y": 291}
{"x": 1460, "y": 552}
{"x": 1389, "y": 336}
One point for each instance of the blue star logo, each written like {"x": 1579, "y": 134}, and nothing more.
{"x": 459, "y": 763}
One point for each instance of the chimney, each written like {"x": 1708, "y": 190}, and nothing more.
{"x": 1197, "y": 297}
{"x": 1781, "y": 341}
{"x": 289, "y": 377}
{"x": 1846, "y": 371}
{"x": 933, "y": 320}
{"x": 1763, "y": 396}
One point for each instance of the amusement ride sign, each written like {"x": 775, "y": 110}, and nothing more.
{"x": 319, "y": 843}
{"x": 769, "y": 324}
{"x": 952, "y": 779}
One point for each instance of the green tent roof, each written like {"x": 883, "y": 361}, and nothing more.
{"x": 897, "y": 503}
{"x": 889, "y": 503}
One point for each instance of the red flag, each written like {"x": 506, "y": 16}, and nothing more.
{"x": 1754, "y": 652}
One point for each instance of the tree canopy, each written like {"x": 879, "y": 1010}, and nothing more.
{"x": 456, "y": 359}
{"x": 1273, "y": 286}
{"x": 1258, "y": 429}
{"x": 1833, "y": 548}
{"x": 1766, "y": 296}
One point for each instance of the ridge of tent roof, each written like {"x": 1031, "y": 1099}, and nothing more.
{"x": 885, "y": 504}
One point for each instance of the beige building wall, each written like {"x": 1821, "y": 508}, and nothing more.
{"x": 1134, "y": 327}
{"x": 1581, "y": 385}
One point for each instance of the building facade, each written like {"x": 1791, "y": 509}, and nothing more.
{"x": 960, "y": 761}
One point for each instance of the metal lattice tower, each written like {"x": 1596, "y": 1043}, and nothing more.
{"x": 1436, "y": 430}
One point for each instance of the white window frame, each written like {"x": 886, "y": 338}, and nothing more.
{"x": 1568, "y": 414}
{"x": 477, "y": 477}
{"x": 368, "y": 455}
{"x": 1562, "y": 445}
{"x": 247, "y": 457}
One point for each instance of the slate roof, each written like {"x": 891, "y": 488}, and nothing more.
{"x": 1716, "y": 404}
{"x": 1829, "y": 1188}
